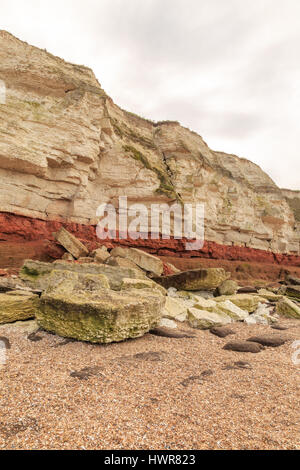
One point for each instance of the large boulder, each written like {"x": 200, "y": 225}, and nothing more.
{"x": 204, "y": 320}
{"x": 144, "y": 260}
{"x": 287, "y": 308}
{"x": 78, "y": 306}
{"x": 195, "y": 280}
{"x": 36, "y": 273}
{"x": 17, "y": 305}
{"x": 175, "y": 309}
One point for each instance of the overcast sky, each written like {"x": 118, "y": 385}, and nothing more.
{"x": 228, "y": 69}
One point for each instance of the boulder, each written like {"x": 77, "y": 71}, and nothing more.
{"x": 8, "y": 284}
{"x": 35, "y": 274}
{"x": 77, "y": 306}
{"x": 293, "y": 292}
{"x": 228, "y": 287}
{"x": 204, "y": 304}
{"x": 243, "y": 346}
{"x": 194, "y": 280}
{"x": 129, "y": 283}
{"x": 204, "y": 320}
{"x": 144, "y": 260}
{"x": 244, "y": 301}
{"x": 175, "y": 309}
{"x": 15, "y": 306}
{"x": 287, "y": 308}
{"x": 71, "y": 243}
{"x": 100, "y": 255}
{"x": 232, "y": 310}
{"x": 268, "y": 295}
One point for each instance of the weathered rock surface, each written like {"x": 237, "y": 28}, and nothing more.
{"x": 244, "y": 301}
{"x": 15, "y": 306}
{"x": 293, "y": 292}
{"x": 71, "y": 243}
{"x": 195, "y": 279}
{"x": 205, "y": 320}
{"x": 228, "y": 287}
{"x": 77, "y": 306}
{"x": 222, "y": 331}
{"x": 142, "y": 259}
{"x": 268, "y": 340}
{"x": 36, "y": 274}
{"x": 66, "y": 148}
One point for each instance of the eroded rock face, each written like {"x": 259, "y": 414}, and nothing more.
{"x": 77, "y": 306}
{"x": 66, "y": 148}
{"x": 17, "y": 305}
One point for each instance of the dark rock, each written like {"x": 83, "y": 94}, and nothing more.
{"x": 243, "y": 346}
{"x": 295, "y": 281}
{"x": 279, "y": 327}
{"x": 169, "y": 333}
{"x": 194, "y": 280}
{"x": 269, "y": 341}
{"x": 247, "y": 290}
{"x": 293, "y": 292}
{"x": 222, "y": 331}
{"x": 86, "y": 373}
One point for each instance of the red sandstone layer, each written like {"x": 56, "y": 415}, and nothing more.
{"x": 24, "y": 237}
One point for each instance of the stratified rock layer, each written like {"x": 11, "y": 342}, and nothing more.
{"x": 66, "y": 148}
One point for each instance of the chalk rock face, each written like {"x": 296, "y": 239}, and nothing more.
{"x": 66, "y": 148}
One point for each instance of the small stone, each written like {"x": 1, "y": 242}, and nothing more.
{"x": 169, "y": 333}
{"x": 166, "y": 323}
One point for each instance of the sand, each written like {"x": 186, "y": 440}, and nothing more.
{"x": 149, "y": 393}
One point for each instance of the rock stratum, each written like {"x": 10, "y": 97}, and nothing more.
{"x": 66, "y": 148}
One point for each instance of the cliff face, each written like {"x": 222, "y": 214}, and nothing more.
{"x": 65, "y": 148}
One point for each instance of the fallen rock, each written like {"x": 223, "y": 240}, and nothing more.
{"x": 194, "y": 280}
{"x": 167, "y": 323}
{"x": 268, "y": 295}
{"x": 287, "y": 308}
{"x": 16, "y": 306}
{"x": 101, "y": 255}
{"x": 247, "y": 290}
{"x": 270, "y": 341}
{"x": 77, "y": 306}
{"x": 123, "y": 263}
{"x": 71, "y": 243}
{"x": 205, "y": 320}
{"x": 232, "y": 310}
{"x": 204, "y": 304}
{"x": 175, "y": 309}
{"x": 279, "y": 327}
{"x": 129, "y": 283}
{"x": 262, "y": 315}
{"x": 68, "y": 257}
{"x": 293, "y": 292}
{"x": 9, "y": 284}
{"x": 171, "y": 268}
{"x": 243, "y": 346}
{"x": 144, "y": 260}
{"x": 35, "y": 274}
{"x": 228, "y": 287}
{"x": 244, "y": 301}
{"x": 222, "y": 331}
{"x": 291, "y": 280}
{"x": 86, "y": 260}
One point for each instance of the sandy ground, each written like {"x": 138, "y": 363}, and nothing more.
{"x": 157, "y": 400}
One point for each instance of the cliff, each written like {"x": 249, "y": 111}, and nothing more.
{"x": 66, "y": 147}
